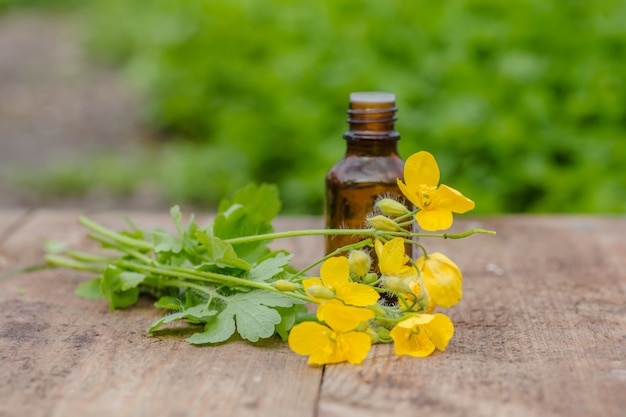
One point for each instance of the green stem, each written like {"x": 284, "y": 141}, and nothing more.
{"x": 115, "y": 236}
{"x": 296, "y": 233}
{"x": 445, "y": 235}
{"x": 211, "y": 277}
{"x": 407, "y": 215}
{"x": 178, "y": 284}
{"x": 138, "y": 255}
{"x": 64, "y": 262}
{"x": 412, "y": 242}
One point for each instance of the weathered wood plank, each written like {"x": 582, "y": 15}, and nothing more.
{"x": 65, "y": 356}
{"x": 9, "y": 219}
{"x": 541, "y": 330}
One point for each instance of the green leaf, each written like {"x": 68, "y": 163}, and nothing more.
{"x": 262, "y": 200}
{"x": 270, "y": 267}
{"x": 165, "y": 242}
{"x": 178, "y": 219}
{"x": 220, "y": 253}
{"x": 195, "y": 314}
{"x": 120, "y": 288}
{"x": 89, "y": 289}
{"x": 249, "y": 213}
{"x": 128, "y": 280}
{"x": 288, "y": 319}
{"x": 169, "y": 302}
{"x": 252, "y": 314}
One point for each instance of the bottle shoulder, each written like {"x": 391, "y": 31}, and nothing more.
{"x": 354, "y": 168}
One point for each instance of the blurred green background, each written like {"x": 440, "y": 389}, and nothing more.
{"x": 522, "y": 102}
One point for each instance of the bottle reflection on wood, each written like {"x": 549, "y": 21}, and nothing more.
{"x": 369, "y": 168}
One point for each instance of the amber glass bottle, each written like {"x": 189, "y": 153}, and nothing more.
{"x": 369, "y": 168}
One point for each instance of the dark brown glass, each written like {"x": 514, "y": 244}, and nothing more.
{"x": 369, "y": 168}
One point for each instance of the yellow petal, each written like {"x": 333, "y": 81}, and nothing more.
{"x": 442, "y": 279}
{"x": 421, "y": 169}
{"x": 342, "y": 318}
{"x": 410, "y": 338}
{"x": 410, "y": 194}
{"x": 393, "y": 257}
{"x": 356, "y": 345}
{"x": 357, "y": 294}
{"x": 308, "y": 337}
{"x": 451, "y": 199}
{"x": 415, "y": 320}
{"x": 407, "y": 272}
{"x": 441, "y": 330}
{"x": 434, "y": 219}
{"x": 335, "y": 272}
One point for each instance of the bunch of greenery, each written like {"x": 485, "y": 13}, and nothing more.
{"x": 529, "y": 96}
{"x": 225, "y": 278}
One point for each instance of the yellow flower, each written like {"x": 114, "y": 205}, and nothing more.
{"x": 327, "y": 345}
{"x": 420, "y": 334}
{"x": 341, "y": 317}
{"x": 442, "y": 280}
{"x": 392, "y": 260}
{"x": 436, "y": 204}
{"x": 335, "y": 276}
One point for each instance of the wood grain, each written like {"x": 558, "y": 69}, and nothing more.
{"x": 541, "y": 331}
{"x": 64, "y": 356}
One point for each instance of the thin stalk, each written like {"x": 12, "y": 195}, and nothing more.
{"x": 138, "y": 255}
{"x": 115, "y": 236}
{"x": 64, "y": 262}
{"x": 445, "y": 235}
{"x": 211, "y": 277}
{"x": 296, "y": 233}
{"x": 406, "y": 215}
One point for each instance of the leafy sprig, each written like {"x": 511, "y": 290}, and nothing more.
{"x": 226, "y": 278}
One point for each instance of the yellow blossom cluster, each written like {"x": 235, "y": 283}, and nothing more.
{"x": 351, "y": 316}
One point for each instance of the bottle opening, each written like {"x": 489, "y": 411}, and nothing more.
{"x": 372, "y": 97}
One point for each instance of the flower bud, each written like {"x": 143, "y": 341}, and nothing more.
{"x": 396, "y": 285}
{"x": 284, "y": 285}
{"x": 391, "y": 207}
{"x": 372, "y": 334}
{"x": 319, "y": 291}
{"x": 383, "y": 223}
{"x": 383, "y": 334}
{"x": 378, "y": 309}
{"x": 370, "y": 278}
{"x": 359, "y": 262}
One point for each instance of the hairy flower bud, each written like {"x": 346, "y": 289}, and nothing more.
{"x": 319, "y": 291}
{"x": 359, "y": 263}
{"x": 378, "y": 309}
{"x": 383, "y": 334}
{"x": 396, "y": 285}
{"x": 383, "y": 223}
{"x": 284, "y": 285}
{"x": 391, "y": 207}
{"x": 370, "y": 278}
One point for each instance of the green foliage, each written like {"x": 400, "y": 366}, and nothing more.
{"x": 199, "y": 275}
{"x": 6, "y": 5}
{"x": 523, "y": 103}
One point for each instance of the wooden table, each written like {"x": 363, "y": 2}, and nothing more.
{"x": 541, "y": 331}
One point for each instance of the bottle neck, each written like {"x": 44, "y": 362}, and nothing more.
{"x": 370, "y": 146}
{"x": 372, "y": 125}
